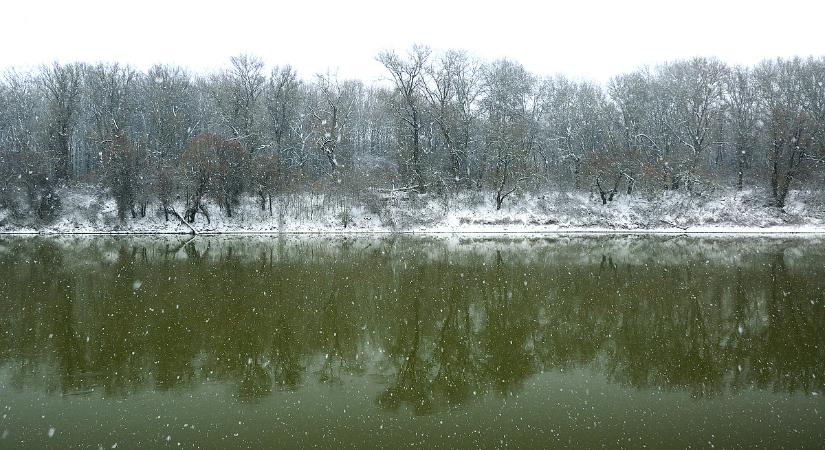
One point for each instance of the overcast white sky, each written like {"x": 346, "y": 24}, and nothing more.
{"x": 589, "y": 39}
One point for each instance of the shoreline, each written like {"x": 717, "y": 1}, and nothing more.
{"x": 548, "y": 214}
{"x": 727, "y": 230}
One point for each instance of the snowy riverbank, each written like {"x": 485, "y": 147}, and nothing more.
{"x": 736, "y": 212}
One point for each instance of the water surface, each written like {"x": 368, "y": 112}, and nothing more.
{"x": 253, "y": 342}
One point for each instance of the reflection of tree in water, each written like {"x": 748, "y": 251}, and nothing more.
{"x": 70, "y": 351}
{"x": 255, "y": 380}
{"x": 285, "y": 354}
{"x": 411, "y": 383}
{"x": 788, "y": 356}
{"x": 666, "y": 339}
{"x": 338, "y": 357}
{"x": 448, "y": 361}
{"x": 445, "y": 327}
{"x": 169, "y": 328}
{"x": 246, "y": 345}
{"x": 573, "y": 327}
{"x": 457, "y": 373}
{"x": 508, "y": 350}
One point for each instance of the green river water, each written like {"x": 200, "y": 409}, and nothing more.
{"x": 403, "y": 341}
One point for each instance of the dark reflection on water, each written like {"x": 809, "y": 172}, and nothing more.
{"x": 430, "y": 326}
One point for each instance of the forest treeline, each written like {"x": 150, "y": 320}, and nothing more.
{"x": 440, "y": 123}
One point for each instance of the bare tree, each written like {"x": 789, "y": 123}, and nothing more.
{"x": 336, "y": 101}
{"x": 266, "y": 177}
{"x": 452, "y": 89}
{"x": 741, "y": 101}
{"x": 282, "y": 103}
{"x": 791, "y": 122}
{"x": 109, "y": 106}
{"x": 165, "y": 187}
{"x": 509, "y": 110}
{"x": 122, "y": 163}
{"x": 170, "y": 110}
{"x": 633, "y": 98}
{"x": 236, "y": 93}
{"x": 62, "y": 85}
{"x": 694, "y": 92}
{"x": 558, "y": 142}
{"x": 198, "y": 164}
{"x": 29, "y": 165}
{"x": 407, "y": 76}
{"x": 231, "y": 170}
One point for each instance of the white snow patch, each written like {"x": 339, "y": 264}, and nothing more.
{"x": 469, "y": 212}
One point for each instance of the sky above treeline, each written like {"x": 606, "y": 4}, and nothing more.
{"x": 584, "y": 39}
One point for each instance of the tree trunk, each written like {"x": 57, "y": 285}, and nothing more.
{"x": 785, "y": 185}
{"x": 502, "y": 170}
{"x": 63, "y": 169}
{"x": 204, "y": 212}
{"x": 189, "y": 214}
{"x": 615, "y": 189}
{"x": 605, "y": 195}
{"x": 740, "y": 163}
{"x": 455, "y": 168}
{"x": 416, "y": 156}
{"x": 262, "y": 196}
{"x": 192, "y": 209}
{"x": 775, "y": 172}
{"x": 182, "y": 220}
{"x": 576, "y": 170}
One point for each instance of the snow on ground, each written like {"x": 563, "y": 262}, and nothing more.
{"x": 669, "y": 212}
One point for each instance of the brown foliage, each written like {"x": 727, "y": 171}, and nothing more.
{"x": 215, "y": 166}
